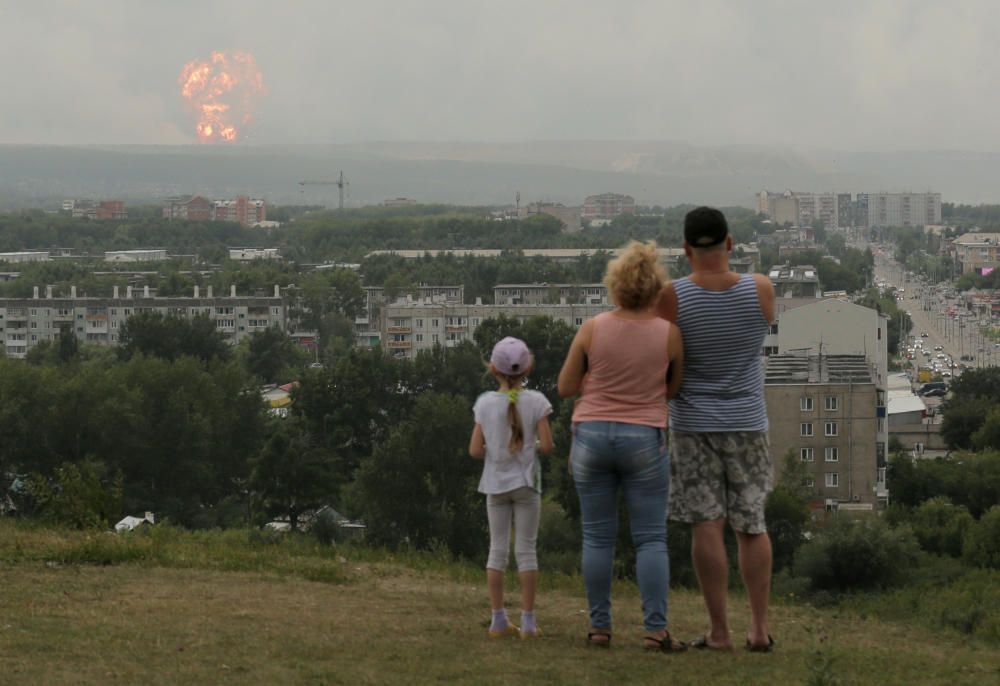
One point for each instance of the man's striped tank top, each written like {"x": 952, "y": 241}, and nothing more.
{"x": 723, "y": 332}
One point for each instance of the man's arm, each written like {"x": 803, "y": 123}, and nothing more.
{"x": 765, "y": 295}
{"x": 667, "y": 305}
{"x": 675, "y": 372}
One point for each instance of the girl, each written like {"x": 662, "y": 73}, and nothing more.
{"x": 508, "y": 422}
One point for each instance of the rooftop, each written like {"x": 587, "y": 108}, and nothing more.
{"x": 828, "y": 369}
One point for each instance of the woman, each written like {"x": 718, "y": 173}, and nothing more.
{"x": 625, "y": 364}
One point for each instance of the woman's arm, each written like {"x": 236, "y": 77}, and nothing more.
{"x": 477, "y": 444}
{"x": 544, "y": 434}
{"x": 675, "y": 373}
{"x": 575, "y": 366}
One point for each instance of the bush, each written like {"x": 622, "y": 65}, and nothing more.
{"x": 982, "y": 543}
{"x": 858, "y": 554}
{"x": 940, "y": 526}
{"x": 787, "y": 517}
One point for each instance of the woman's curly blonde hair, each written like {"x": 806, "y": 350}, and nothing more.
{"x": 636, "y": 277}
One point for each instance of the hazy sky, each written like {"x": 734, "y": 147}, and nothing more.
{"x": 888, "y": 75}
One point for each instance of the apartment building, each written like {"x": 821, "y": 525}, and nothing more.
{"x": 26, "y": 322}
{"x": 837, "y": 209}
{"x": 369, "y": 326}
{"x": 548, "y": 294}
{"x": 149, "y": 255}
{"x": 103, "y": 209}
{"x": 800, "y": 281}
{"x": 253, "y": 254}
{"x": 410, "y": 327}
{"x": 193, "y": 208}
{"x": 242, "y": 209}
{"x": 607, "y": 206}
{"x": 977, "y": 253}
{"x": 19, "y": 257}
{"x": 825, "y": 410}
{"x": 904, "y": 209}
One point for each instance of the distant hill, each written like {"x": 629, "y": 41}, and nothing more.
{"x": 663, "y": 173}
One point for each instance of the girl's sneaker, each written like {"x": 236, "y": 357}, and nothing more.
{"x": 511, "y": 630}
{"x": 528, "y": 635}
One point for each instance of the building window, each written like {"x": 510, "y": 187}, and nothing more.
{"x": 475, "y": 321}
{"x": 830, "y": 429}
{"x": 806, "y": 429}
{"x": 809, "y": 483}
{"x": 770, "y": 350}
{"x": 420, "y": 323}
{"x": 831, "y": 402}
{"x": 806, "y": 454}
{"x": 434, "y": 338}
{"x": 419, "y": 338}
{"x": 806, "y": 404}
{"x": 435, "y": 323}
{"x": 774, "y": 328}
{"x": 832, "y": 454}
{"x": 832, "y": 479}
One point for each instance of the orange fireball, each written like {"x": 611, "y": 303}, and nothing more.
{"x": 221, "y": 93}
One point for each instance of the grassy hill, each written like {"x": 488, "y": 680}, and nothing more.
{"x": 171, "y": 607}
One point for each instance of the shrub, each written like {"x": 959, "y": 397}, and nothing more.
{"x": 787, "y": 517}
{"x": 858, "y": 554}
{"x": 940, "y": 526}
{"x": 982, "y": 543}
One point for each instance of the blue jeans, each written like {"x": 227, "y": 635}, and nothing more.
{"x": 606, "y": 456}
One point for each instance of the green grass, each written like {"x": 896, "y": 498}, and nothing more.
{"x": 173, "y": 607}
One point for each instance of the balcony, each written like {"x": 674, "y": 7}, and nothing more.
{"x": 398, "y": 329}
{"x": 456, "y": 328}
{"x": 96, "y": 317}
{"x": 398, "y": 345}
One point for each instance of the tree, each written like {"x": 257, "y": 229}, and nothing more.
{"x": 419, "y": 487}
{"x": 292, "y": 473}
{"x": 987, "y": 436}
{"x": 982, "y": 544}
{"x": 171, "y": 337}
{"x": 271, "y": 355}
{"x": 82, "y": 496}
{"x": 940, "y": 526}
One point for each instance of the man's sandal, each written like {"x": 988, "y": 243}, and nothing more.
{"x": 761, "y": 647}
{"x": 701, "y": 643}
{"x": 667, "y": 644}
{"x": 598, "y": 639}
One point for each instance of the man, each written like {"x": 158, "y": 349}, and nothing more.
{"x": 721, "y": 467}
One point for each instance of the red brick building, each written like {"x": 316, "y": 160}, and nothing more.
{"x": 194, "y": 208}
{"x": 607, "y": 206}
{"x": 241, "y": 209}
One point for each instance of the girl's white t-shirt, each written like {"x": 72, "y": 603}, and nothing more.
{"x": 502, "y": 471}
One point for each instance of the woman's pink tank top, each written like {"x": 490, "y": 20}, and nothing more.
{"x": 626, "y": 379}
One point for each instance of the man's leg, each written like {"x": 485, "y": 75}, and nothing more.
{"x": 708, "y": 551}
{"x": 755, "y": 567}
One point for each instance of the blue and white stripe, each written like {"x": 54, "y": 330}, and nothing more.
{"x": 723, "y": 331}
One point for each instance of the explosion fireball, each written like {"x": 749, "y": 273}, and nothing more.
{"x": 221, "y": 93}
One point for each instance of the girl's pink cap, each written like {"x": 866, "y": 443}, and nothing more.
{"x": 511, "y": 356}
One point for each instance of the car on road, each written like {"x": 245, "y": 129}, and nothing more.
{"x": 923, "y": 334}
{"x": 938, "y": 347}
{"x": 936, "y": 393}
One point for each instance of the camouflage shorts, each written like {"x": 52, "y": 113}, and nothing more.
{"x": 720, "y": 476}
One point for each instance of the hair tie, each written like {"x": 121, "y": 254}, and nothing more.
{"x": 513, "y": 394}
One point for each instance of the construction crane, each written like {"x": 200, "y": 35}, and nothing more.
{"x": 340, "y": 183}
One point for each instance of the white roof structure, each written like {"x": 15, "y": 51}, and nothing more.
{"x": 910, "y": 403}
{"x": 131, "y": 523}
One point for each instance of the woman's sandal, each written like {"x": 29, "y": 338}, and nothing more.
{"x": 667, "y": 644}
{"x": 598, "y": 639}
